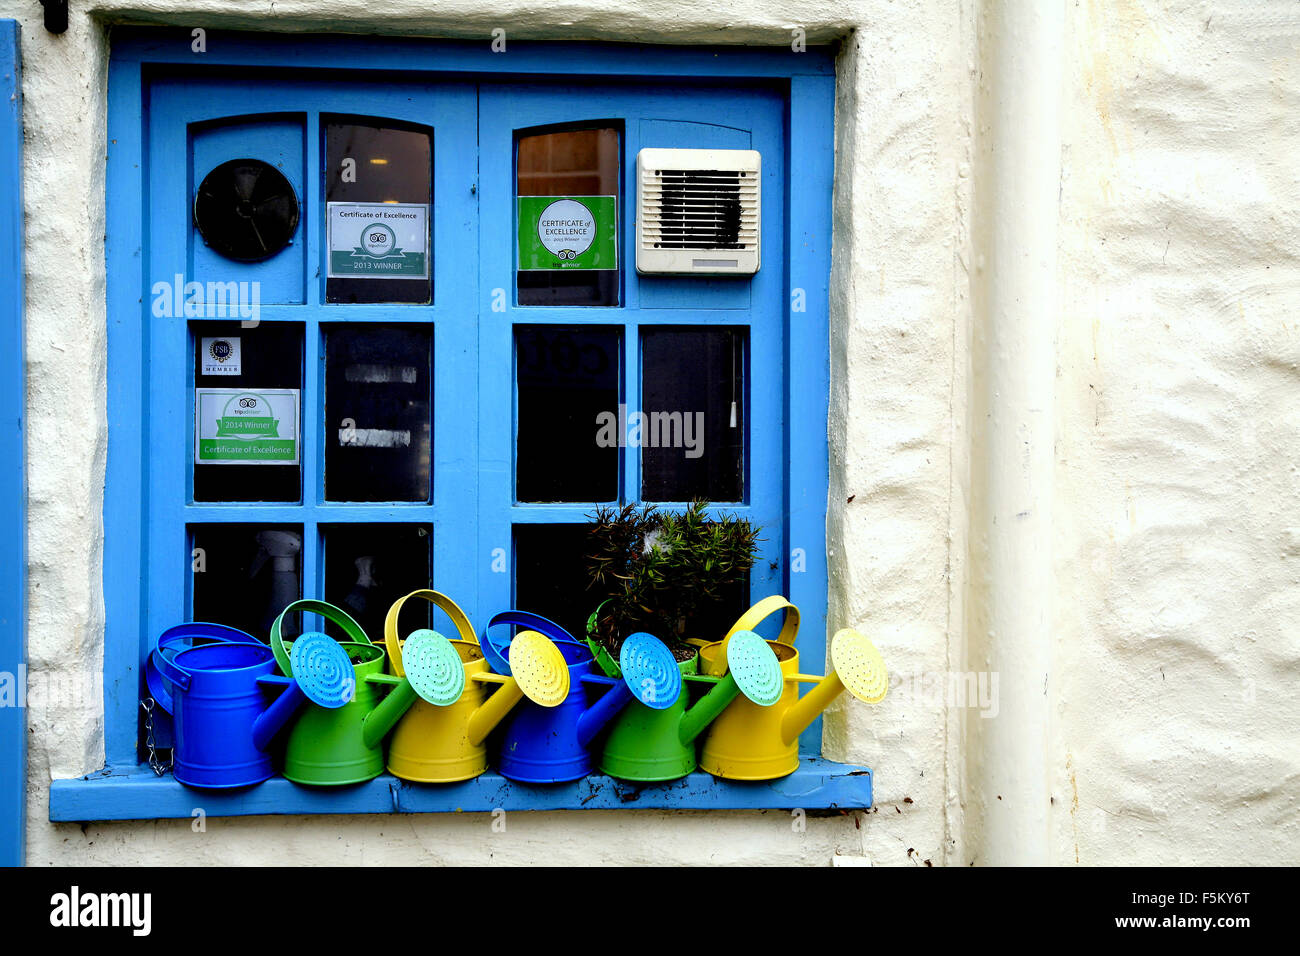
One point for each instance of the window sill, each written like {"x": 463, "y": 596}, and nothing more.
{"x": 138, "y": 794}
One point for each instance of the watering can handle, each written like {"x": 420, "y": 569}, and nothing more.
{"x": 761, "y": 612}
{"x": 185, "y": 633}
{"x": 534, "y": 622}
{"x": 458, "y": 617}
{"x": 158, "y": 663}
{"x": 328, "y": 611}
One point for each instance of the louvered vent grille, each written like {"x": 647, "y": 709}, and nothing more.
{"x": 699, "y": 209}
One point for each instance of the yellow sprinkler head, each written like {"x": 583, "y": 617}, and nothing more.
{"x": 539, "y": 667}
{"x": 859, "y": 666}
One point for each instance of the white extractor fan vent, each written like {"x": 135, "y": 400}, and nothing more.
{"x": 698, "y": 211}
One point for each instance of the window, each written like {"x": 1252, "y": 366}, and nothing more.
{"x": 424, "y": 359}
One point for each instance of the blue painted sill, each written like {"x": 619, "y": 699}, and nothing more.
{"x": 141, "y": 795}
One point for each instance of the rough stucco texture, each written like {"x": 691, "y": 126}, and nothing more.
{"x": 894, "y": 286}
{"x": 1178, "y": 540}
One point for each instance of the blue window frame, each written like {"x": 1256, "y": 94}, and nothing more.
{"x": 13, "y": 493}
{"x": 174, "y": 115}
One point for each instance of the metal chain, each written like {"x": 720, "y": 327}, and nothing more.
{"x": 155, "y": 762}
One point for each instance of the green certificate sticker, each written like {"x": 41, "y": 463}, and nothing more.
{"x": 234, "y": 426}
{"x": 568, "y": 232}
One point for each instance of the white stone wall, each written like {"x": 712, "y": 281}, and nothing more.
{"x": 1176, "y": 531}
{"x": 1178, "y": 436}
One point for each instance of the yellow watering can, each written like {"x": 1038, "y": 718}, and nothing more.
{"x": 749, "y": 742}
{"x": 433, "y": 744}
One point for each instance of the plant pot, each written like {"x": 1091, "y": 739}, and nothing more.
{"x": 604, "y": 660}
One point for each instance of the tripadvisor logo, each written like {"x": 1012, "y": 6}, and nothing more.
{"x": 76, "y": 909}
{"x": 378, "y": 241}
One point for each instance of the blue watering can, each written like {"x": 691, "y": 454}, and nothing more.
{"x": 214, "y": 692}
{"x": 541, "y": 744}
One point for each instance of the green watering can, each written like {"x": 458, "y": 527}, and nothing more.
{"x": 327, "y": 747}
{"x": 652, "y": 738}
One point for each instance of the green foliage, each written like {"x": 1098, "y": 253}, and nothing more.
{"x": 656, "y": 570}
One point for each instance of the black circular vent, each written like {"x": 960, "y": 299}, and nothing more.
{"x": 246, "y": 210}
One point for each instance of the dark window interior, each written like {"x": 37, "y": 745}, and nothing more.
{"x": 566, "y": 377}
{"x": 369, "y": 566}
{"x": 244, "y": 574}
{"x": 693, "y": 380}
{"x": 378, "y": 441}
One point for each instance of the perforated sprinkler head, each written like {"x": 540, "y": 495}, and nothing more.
{"x": 323, "y": 669}
{"x": 859, "y": 666}
{"x": 539, "y": 667}
{"x": 433, "y": 667}
{"x": 754, "y": 666}
{"x": 650, "y": 670}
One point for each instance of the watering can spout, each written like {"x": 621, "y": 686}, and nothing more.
{"x": 598, "y": 715}
{"x": 272, "y": 720}
{"x": 388, "y": 711}
{"x": 493, "y": 710}
{"x": 706, "y": 710}
{"x": 322, "y": 674}
{"x": 857, "y": 667}
{"x": 809, "y": 707}
{"x": 752, "y": 669}
{"x": 539, "y": 672}
{"x": 649, "y": 674}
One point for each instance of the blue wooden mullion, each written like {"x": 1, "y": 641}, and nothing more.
{"x": 168, "y": 391}
{"x": 124, "y": 540}
{"x": 631, "y": 393}
{"x": 494, "y": 555}
{"x": 13, "y": 471}
{"x": 807, "y": 455}
{"x": 453, "y": 113}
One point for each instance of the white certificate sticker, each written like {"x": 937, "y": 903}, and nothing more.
{"x": 255, "y": 426}
{"x": 378, "y": 240}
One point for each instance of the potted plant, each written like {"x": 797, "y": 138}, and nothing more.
{"x": 663, "y": 572}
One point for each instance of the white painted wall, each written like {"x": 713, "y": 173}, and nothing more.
{"x": 1178, "y": 436}
{"x": 1174, "y": 522}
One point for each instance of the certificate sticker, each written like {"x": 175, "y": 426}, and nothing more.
{"x": 568, "y": 232}
{"x": 235, "y": 426}
{"x": 378, "y": 240}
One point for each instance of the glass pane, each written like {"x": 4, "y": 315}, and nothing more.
{"x": 369, "y": 566}
{"x": 245, "y": 574}
{"x": 379, "y": 196}
{"x": 568, "y": 378}
{"x": 693, "y": 400}
{"x": 581, "y": 166}
{"x": 377, "y": 413}
{"x": 551, "y": 575}
{"x": 247, "y": 391}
